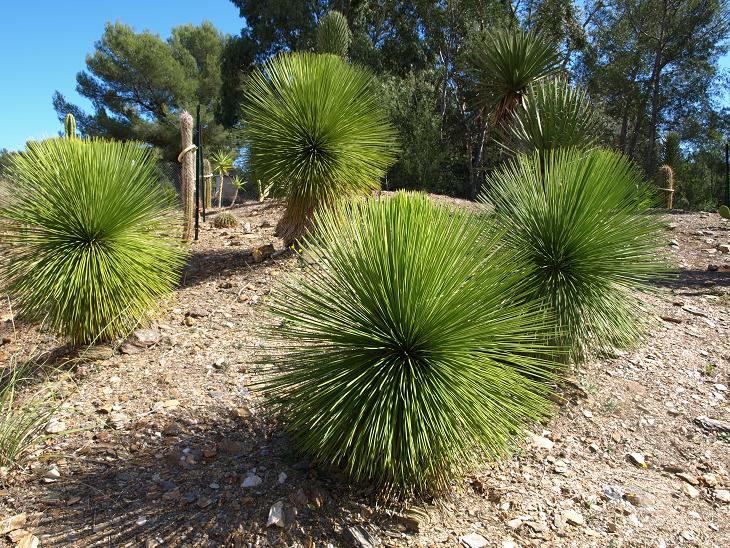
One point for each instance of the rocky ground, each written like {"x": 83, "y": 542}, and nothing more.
{"x": 162, "y": 441}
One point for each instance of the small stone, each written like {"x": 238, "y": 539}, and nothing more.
{"x": 251, "y": 481}
{"x": 189, "y": 321}
{"x": 282, "y": 478}
{"x": 204, "y": 502}
{"x": 28, "y": 541}
{"x": 55, "y": 427}
{"x": 536, "y": 527}
{"x": 541, "y": 442}
{"x": 129, "y": 349}
{"x": 689, "y": 478}
{"x": 247, "y": 228}
{"x": 613, "y": 492}
{"x": 241, "y": 413}
{"x": 12, "y": 523}
{"x": 197, "y": 313}
{"x": 709, "y": 479}
{"x": 694, "y": 311}
{"x": 713, "y": 425}
{"x": 723, "y": 248}
{"x": 720, "y": 387}
{"x": 276, "y": 515}
{"x": 671, "y": 319}
{"x": 473, "y": 540}
{"x": 722, "y": 495}
{"x": 51, "y": 475}
{"x": 637, "y": 459}
{"x": 690, "y": 491}
{"x": 687, "y": 535}
{"x": 118, "y": 420}
{"x": 514, "y": 523}
{"x": 587, "y": 414}
{"x": 145, "y": 337}
{"x": 141, "y": 520}
{"x": 573, "y": 517}
{"x": 262, "y": 253}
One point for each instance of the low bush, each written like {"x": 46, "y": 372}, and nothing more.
{"x": 86, "y": 243}
{"x": 401, "y": 354}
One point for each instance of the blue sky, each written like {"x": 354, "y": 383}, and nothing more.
{"x": 43, "y": 45}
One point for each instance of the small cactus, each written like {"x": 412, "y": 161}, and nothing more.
{"x": 333, "y": 34}
{"x": 665, "y": 183}
{"x": 225, "y": 220}
{"x": 69, "y": 126}
{"x": 724, "y": 212}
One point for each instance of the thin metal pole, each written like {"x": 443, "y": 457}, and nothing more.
{"x": 727, "y": 173}
{"x": 196, "y": 141}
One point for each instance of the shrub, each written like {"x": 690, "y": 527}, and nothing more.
{"x": 575, "y": 218}
{"x": 86, "y": 247}
{"x": 225, "y": 220}
{"x": 315, "y": 132}
{"x": 403, "y": 360}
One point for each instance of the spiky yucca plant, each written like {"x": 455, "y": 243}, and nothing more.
{"x": 553, "y": 115}
{"x": 401, "y": 356}
{"x": 315, "y": 132}
{"x": 238, "y": 184}
{"x": 504, "y": 63}
{"x": 221, "y": 162}
{"x": 575, "y": 218}
{"x": 225, "y": 220}
{"x": 86, "y": 244}
{"x": 333, "y": 34}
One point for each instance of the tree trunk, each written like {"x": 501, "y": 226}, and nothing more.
{"x": 235, "y": 197}
{"x": 656, "y": 73}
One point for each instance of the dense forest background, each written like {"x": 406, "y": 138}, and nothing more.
{"x": 650, "y": 68}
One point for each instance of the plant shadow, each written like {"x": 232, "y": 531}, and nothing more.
{"x": 179, "y": 481}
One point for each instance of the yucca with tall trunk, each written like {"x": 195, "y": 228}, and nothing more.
{"x": 315, "y": 132}
{"x": 221, "y": 162}
{"x": 408, "y": 349}
{"x": 504, "y": 64}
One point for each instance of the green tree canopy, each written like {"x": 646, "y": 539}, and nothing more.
{"x": 138, "y": 83}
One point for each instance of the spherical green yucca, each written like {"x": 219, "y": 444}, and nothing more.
{"x": 333, "y": 34}
{"x": 402, "y": 356}
{"x": 576, "y": 219}
{"x": 315, "y": 132}
{"x": 85, "y": 244}
{"x": 225, "y": 220}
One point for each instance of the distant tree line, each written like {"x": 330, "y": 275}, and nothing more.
{"x": 650, "y": 68}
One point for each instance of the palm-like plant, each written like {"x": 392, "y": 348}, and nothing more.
{"x": 315, "y": 132}
{"x": 333, "y": 34}
{"x": 238, "y": 184}
{"x": 221, "y": 162}
{"x": 575, "y": 218}
{"x": 504, "y": 63}
{"x": 553, "y": 115}
{"x": 407, "y": 349}
{"x": 85, "y": 237}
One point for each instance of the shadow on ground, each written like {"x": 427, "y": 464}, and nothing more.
{"x": 696, "y": 279}
{"x": 180, "y": 483}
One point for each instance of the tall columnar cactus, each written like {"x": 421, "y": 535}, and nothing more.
{"x": 665, "y": 183}
{"x": 69, "y": 126}
{"x": 333, "y": 34}
{"x": 187, "y": 158}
